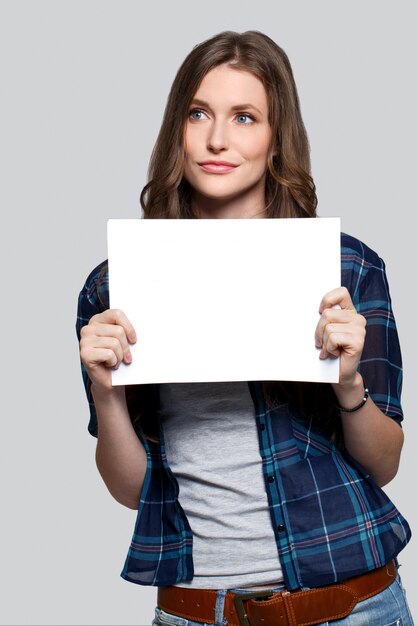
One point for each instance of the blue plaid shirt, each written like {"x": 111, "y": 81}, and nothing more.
{"x": 331, "y": 520}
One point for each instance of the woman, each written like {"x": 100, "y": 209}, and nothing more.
{"x": 266, "y": 535}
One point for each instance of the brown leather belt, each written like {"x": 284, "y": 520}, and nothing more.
{"x": 283, "y": 608}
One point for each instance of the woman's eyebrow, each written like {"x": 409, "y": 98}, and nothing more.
{"x": 237, "y": 107}
{"x": 245, "y": 106}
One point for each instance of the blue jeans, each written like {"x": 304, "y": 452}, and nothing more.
{"x": 387, "y": 608}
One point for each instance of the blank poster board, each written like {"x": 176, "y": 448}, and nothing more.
{"x": 223, "y": 299}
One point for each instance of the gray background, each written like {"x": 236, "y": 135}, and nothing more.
{"x": 83, "y": 86}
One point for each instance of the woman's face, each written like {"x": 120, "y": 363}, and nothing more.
{"x": 227, "y": 141}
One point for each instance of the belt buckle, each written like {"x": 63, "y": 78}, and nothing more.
{"x": 240, "y": 597}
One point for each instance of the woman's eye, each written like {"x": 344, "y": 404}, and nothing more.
{"x": 244, "y": 118}
{"x": 196, "y": 114}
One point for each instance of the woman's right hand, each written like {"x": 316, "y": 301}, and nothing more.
{"x": 104, "y": 344}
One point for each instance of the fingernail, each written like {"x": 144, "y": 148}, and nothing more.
{"x": 128, "y": 357}
{"x": 132, "y": 338}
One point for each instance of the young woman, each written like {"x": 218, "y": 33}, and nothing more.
{"x": 258, "y": 503}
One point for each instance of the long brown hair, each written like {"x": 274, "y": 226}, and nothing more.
{"x": 289, "y": 186}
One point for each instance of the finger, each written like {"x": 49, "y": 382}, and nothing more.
{"x": 337, "y": 316}
{"x": 102, "y": 335}
{"x": 111, "y": 330}
{"x": 111, "y": 343}
{"x": 332, "y": 316}
{"x": 118, "y": 317}
{"x": 93, "y": 357}
{"x": 339, "y": 296}
{"x": 338, "y": 338}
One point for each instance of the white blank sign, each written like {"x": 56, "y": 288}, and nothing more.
{"x": 223, "y": 299}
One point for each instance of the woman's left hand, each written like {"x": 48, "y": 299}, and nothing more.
{"x": 341, "y": 332}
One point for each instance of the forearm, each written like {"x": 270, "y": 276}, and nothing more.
{"x": 120, "y": 455}
{"x": 371, "y": 437}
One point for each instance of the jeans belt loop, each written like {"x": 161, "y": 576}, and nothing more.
{"x": 286, "y": 596}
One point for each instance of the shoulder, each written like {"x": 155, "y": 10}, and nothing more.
{"x": 96, "y": 287}
{"x": 362, "y": 271}
{"x": 359, "y": 264}
{"x": 355, "y": 251}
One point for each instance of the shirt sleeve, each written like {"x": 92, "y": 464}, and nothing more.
{"x": 381, "y": 363}
{"x": 93, "y": 299}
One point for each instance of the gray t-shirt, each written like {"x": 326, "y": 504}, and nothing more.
{"x": 212, "y": 448}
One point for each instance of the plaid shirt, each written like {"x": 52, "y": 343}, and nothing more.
{"x": 331, "y": 520}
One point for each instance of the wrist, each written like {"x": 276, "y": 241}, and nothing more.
{"x": 104, "y": 395}
{"x": 350, "y": 394}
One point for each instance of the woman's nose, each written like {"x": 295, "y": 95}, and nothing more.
{"x": 217, "y": 137}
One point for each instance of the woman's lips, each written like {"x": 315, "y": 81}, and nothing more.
{"x": 217, "y": 167}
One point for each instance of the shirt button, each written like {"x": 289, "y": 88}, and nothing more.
{"x": 271, "y": 479}
{"x": 281, "y": 527}
{"x": 262, "y": 426}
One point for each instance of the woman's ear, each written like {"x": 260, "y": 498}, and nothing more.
{"x": 274, "y": 150}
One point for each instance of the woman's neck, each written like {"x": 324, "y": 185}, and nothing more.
{"x": 236, "y": 208}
